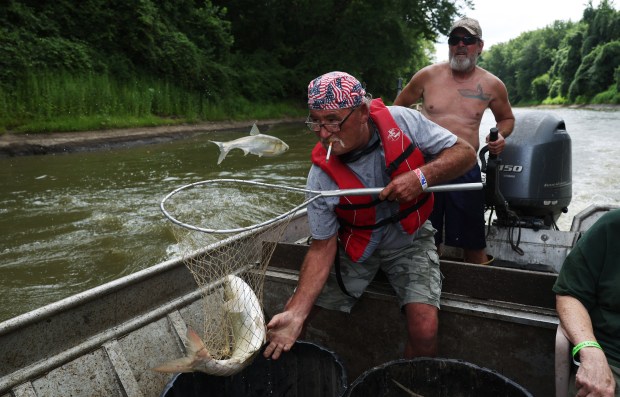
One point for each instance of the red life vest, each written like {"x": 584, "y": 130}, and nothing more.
{"x": 357, "y": 214}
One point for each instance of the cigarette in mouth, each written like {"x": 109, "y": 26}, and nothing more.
{"x": 329, "y": 151}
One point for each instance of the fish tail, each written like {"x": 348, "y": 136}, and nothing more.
{"x": 183, "y": 364}
{"x": 196, "y": 351}
{"x": 223, "y": 151}
{"x": 195, "y": 345}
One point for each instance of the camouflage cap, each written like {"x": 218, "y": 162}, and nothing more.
{"x": 335, "y": 90}
{"x": 469, "y": 24}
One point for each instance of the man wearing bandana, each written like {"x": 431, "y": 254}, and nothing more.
{"x": 363, "y": 143}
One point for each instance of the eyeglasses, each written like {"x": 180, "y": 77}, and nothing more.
{"x": 330, "y": 127}
{"x": 467, "y": 40}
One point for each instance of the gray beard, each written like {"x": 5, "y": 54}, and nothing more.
{"x": 462, "y": 65}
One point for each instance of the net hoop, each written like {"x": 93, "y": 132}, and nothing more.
{"x": 240, "y": 229}
{"x": 316, "y": 194}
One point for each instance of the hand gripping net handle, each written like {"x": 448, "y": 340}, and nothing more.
{"x": 317, "y": 194}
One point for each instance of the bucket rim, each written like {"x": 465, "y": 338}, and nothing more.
{"x": 360, "y": 379}
{"x": 343, "y": 380}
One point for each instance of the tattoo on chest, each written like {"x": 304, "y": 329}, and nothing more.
{"x": 475, "y": 94}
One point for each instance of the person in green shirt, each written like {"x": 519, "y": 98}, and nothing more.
{"x": 588, "y": 305}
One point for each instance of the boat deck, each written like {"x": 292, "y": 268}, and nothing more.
{"x": 498, "y": 318}
{"x": 104, "y": 341}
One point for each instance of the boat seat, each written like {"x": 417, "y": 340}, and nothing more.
{"x": 562, "y": 363}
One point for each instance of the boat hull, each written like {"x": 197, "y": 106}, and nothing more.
{"x": 104, "y": 342}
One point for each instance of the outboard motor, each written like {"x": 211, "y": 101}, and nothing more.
{"x": 534, "y": 172}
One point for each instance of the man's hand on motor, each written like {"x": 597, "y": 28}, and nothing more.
{"x": 496, "y": 147}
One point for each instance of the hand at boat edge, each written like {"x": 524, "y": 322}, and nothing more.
{"x": 594, "y": 377}
{"x": 282, "y": 332}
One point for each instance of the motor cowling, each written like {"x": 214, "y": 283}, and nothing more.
{"x": 534, "y": 172}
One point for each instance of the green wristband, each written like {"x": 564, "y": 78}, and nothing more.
{"x": 587, "y": 343}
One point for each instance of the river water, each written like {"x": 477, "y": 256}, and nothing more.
{"x": 72, "y": 222}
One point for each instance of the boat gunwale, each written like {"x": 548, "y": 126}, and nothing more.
{"x": 112, "y": 286}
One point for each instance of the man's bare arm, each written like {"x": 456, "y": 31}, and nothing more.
{"x": 313, "y": 274}
{"x": 449, "y": 164}
{"x": 502, "y": 111}
{"x": 504, "y": 118}
{"x": 412, "y": 92}
{"x": 594, "y": 374}
{"x": 284, "y": 328}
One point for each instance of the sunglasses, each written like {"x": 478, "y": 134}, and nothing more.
{"x": 467, "y": 40}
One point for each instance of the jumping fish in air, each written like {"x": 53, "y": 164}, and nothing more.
{"x": 256, "y": 143}
{"x": 248, "y": 329}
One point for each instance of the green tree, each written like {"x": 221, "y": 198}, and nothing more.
{"x": 603, "y": 25}
{"x": 596, "y": 72}
{"x": 498, "y": 60}
{"x": 520, "y": 61}
{"x": 567, "y": 59}
{"x": 540, "y": 87}
{"x": 186, "y": 41}
{"x": 377, "y": 41}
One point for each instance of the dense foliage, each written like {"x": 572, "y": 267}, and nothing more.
{"x": 181, "y": 40}
{"x": 265, "y": 50}
{"x": 290, "y": 42}
{"x": 566, "y": 62}
{"x": 206, "y": 59}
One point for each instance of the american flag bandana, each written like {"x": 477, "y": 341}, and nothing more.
{"x": 335, "y": 90}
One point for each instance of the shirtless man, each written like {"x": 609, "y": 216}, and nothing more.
{"x": 455, "y": 95}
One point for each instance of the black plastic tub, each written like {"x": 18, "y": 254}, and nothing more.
{"x": 434, "y": 377}
{"x": 307, "y": 370}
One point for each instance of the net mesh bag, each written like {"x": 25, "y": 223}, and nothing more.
{"x": 213, "y": 256}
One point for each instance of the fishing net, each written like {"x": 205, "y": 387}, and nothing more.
{"x": 224, "y": 210}
{"x": 231, "y": 227}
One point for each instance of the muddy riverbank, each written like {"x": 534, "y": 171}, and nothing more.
{"x": 12, "y": 144}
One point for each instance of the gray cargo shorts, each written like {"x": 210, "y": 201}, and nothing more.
{"x": 413, "y": 271}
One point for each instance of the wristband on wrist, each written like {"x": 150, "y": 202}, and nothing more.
{"x": 422, "y": 178}
{"x": 579, "y": 346}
